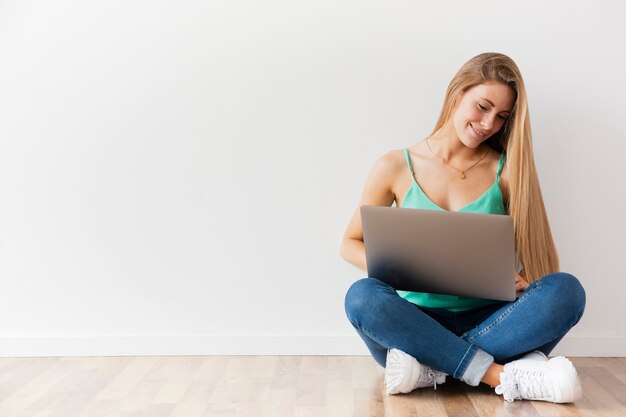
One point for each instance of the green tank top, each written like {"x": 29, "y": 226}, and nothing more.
{"x": 490, "y": 202}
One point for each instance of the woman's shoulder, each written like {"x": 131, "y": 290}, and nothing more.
{"x": 387, "y": 168}
{"x": 391, "y": 161}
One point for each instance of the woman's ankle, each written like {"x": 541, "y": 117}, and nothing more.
{"x": 492, "y": 376}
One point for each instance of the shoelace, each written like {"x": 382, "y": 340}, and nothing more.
{"x": 523, "y": 384}
{"x": 432, "y": 377}
{"x": 508, "y": 387}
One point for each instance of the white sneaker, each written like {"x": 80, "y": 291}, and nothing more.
{"x": 403, "y": 373}
{"x": 535, "y": 377}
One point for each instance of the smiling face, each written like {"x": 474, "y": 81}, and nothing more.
{"x": 482, "y": 111}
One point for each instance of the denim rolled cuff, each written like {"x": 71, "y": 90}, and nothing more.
{"x": 477, "y": 367}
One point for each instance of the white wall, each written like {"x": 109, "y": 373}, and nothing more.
{"x": 175, "y": 176}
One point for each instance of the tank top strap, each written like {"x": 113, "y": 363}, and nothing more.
{"x": 408, "y": 160}
{"x": 500, "y": 165}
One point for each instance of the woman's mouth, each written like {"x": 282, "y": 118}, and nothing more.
{"x": 479, "y": 134}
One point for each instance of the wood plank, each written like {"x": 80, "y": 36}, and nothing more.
{"x": 487, "y": 403}
{"x": 142, "y": 394}
{"x": 287, "y": 372}
{"x": 613, "y": 385}
{"x": 19, "y": 402}
{"x": 617, "y": 366}
{"x": 368, "y": 403}
{"x": 314, "y": 365}
{"x": 270, "y": 386}
{"x": 339, "y": 389}
{"x": 23, "y": 373}
{"x": 455, "y": 399}
{"x": 406, "y": 405}
{"x": 180, "y": 377}
{"x": 280, "y": 402}
{"x": 547, "y": 409}
{"x": 98, "y": 373}
{"x": 310, "y": 411}
{"x": 127, "y": 378}
{"x": 599, "y": 402}
{"x": 188, "y": 410}
{"x": 312, "y": 389}
{"x": 367, "y": 383}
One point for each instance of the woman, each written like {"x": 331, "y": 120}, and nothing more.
{"x": 483, "y": 133}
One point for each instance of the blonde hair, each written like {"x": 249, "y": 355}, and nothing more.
{"x": 534, "y": 244}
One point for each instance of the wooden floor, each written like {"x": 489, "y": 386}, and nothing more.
{"x": 268, "y": 386}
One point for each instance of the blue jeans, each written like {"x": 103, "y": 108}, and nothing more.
{"x": 465, "y": 344}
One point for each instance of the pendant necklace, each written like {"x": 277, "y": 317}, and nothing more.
{"x": 461, "y": 172}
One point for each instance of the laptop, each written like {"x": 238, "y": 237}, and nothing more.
{"x": 441, "y": 252}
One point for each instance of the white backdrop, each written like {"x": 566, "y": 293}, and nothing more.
{"x": 176, "y": 176}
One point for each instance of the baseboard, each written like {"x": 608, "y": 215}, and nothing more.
{"x": 251, "y": 344}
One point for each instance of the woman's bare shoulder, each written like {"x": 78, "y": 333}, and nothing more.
{"x": 382, "y": 179}
{"x": 391, "y": 162}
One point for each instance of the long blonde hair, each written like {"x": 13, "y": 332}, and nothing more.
{"x": 534, "y": 244}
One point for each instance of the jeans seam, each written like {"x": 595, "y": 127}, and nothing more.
{"x": 504, "y": 315}
{"x": 458, "y": 374}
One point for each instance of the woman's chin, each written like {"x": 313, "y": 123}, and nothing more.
{"x": 471, "y": 143}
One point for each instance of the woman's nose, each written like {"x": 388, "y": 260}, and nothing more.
{"x": 487, "y": 122}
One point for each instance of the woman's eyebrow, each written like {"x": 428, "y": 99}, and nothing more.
{"x": 493, "y": 105}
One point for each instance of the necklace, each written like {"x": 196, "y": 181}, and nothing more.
{"x": 461, "y": 172}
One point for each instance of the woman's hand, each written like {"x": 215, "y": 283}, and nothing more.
{"x": 520, "y": 284}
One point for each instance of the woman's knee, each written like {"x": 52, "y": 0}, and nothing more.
{"x": 359, "y": 296}
{"x": 568, "y": 293}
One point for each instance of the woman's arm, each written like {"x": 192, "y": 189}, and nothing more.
{"x": 378, "y": 191}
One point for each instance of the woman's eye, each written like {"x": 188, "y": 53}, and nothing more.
{"x": 483, "y": 108}
{"x": 502, "y": 117}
